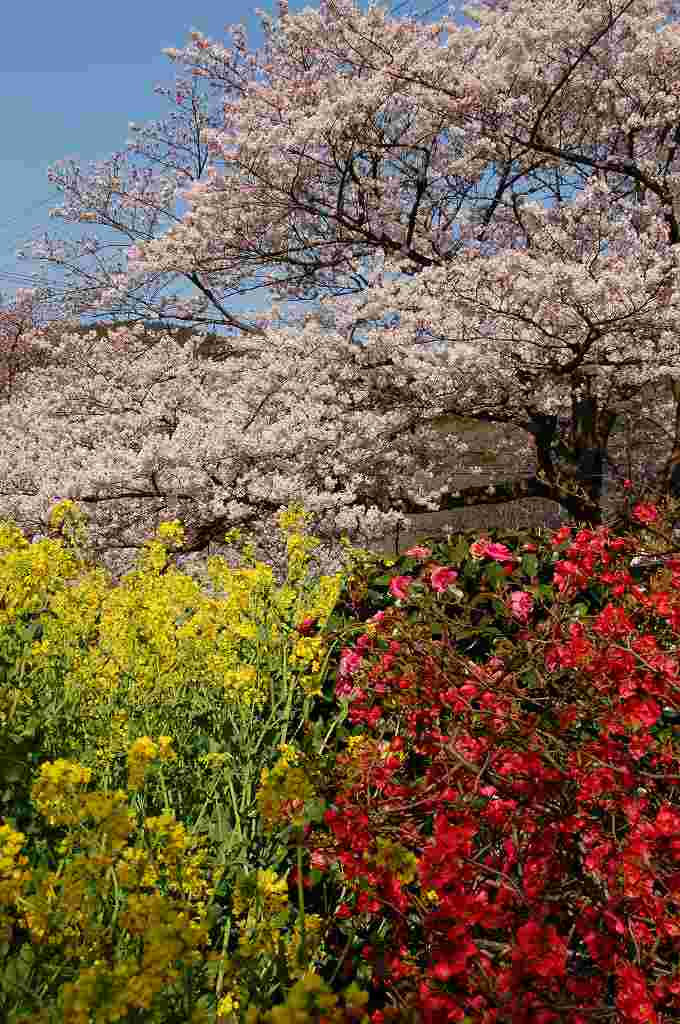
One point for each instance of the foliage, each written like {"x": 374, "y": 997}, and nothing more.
{"x": 89, "y": 674}
{"x": 503, "y": 832}
{"x": 433, "y": 833}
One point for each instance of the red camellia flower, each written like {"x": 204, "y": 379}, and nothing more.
{"x": 442, "y": 577}
{"x": 499, "y": 552}
{"x": 646, "y": 513}
{"x": 492, "y": 792}
{"x": 306, "y": 626}
{"x": 419, "y": 552}
{"x": 399, "y": 586}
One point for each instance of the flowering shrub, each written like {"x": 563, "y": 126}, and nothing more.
{"x": 88, "y": 674}
{"x": 472, "y": 817}
{"x": 506, "y": 834}
{"x": 86, "y": 667}
{"x": 123, "y": 917}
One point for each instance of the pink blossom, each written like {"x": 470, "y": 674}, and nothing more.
{"x": 499, "y": 552}
{"x": 521, "y": 604}
{"x": 419, "y": 552}
{"x": 646, "y": 513}
{"x": 441, "y": 578}
{"x": 306, "y": 626}
{"x": 478, "y": 548}
{"x": 349, "y": 662}
{"x": 399, "y": 586}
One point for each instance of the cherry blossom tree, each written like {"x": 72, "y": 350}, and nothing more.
{"x": 394, "y": 176}
{"x": 22, "y": 343}
{"x": 132, "y": 197}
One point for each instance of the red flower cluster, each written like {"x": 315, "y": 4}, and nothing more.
{"x": 506, "y": 864}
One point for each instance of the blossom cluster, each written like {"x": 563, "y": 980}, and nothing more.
{"x": 441, "y": 288}
{"x": 530, "y": 868}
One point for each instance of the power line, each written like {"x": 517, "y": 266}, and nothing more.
{"x": 442, "y": 3}
{"x": 403, "y": 3}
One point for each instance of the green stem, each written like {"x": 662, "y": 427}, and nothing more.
{"x": 220, "y": 975}
{"x": 194, "y": 827}
{"x": 302, "y": 954}
{"x": 342, "y": 959}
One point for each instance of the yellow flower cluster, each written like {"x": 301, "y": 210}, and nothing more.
{"x": 156, "y": 635}
{"x": 179, "y": 858}
{"x": 314, "y": 929}
{"x": 311, "y": 1000}
{"x": 108, "y": 993}
{"x": 57, "y": 793}
{"x": 30, "y": 574}
{"x": 13, "y": 875}
{"x": 306, "y": 655}
{"x": 127, "y": 906}
{"x": 264, "y": 889}
{"x": 228, "y": 1004}
{"x": 144, "y": 752}
{"x": 153, "y": 880}
{"x": 261, "y": 899}
{"x": 283, "y": 790}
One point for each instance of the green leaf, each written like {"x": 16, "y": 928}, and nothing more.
{"x": 530, "y": 565}
{"x": 460, "y": 552}
{"x": 491, "y": 631}
{"x": 494, "y": 574}
{"x": 315, "y": 809}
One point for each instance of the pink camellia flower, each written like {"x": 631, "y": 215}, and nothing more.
{"x": 441, "y": 578}
{"x": 399, "y": 586}
{"x": 305, "y": 627}
{"x": 478, "y": 548}
{"x": 499, "y": 552}
{"x": 521, "y": 604}
{"x": 349, "y": 661}
{"x": 346, "y": 690}
{"x": 529, "y": 547}
{"x": 419, "y": 552}
{"x": 646, "y": 513}
{"x": 319, "y": 860}
{"x": 627, "y": 484}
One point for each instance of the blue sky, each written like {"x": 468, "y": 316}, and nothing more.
{"x": 72, "y": 77}
{"x": 74, "y": 74}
